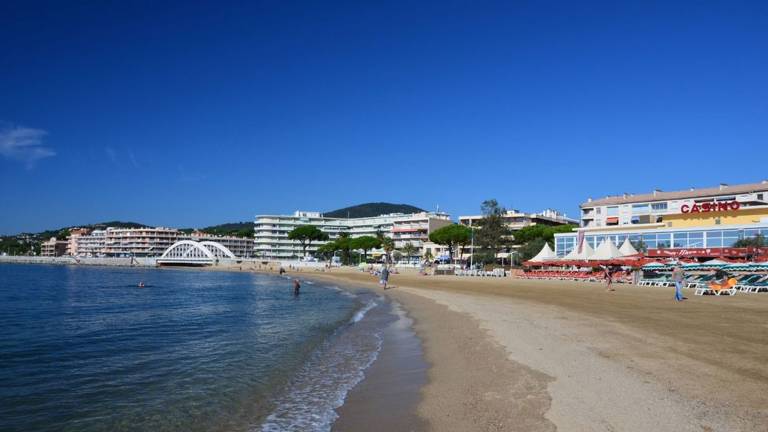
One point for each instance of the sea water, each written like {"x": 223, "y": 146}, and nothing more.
{"x": 86, "y": 349}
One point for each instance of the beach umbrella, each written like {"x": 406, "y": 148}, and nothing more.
{"x": 654, "y": 266}
{"x": 691, "y": 266}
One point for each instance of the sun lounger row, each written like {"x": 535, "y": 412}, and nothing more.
{"x": 498, "y": 272}
{"x": 572, "y": 276}
{"x": 660, "y": 282}
{"x": 708, "y": 290}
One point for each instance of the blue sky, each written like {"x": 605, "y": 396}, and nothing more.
{"x": 193, "y": 114}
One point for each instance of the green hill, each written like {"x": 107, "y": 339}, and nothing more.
{"x": 372, "y": 209}
{"x": 239, "y": 229}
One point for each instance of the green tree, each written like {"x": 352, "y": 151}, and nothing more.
{"x": 531, "y": 232}
{"x": 428, "y": 255}
{"x": 530, "y": 249}
{"x": 409, "y": 250}
{"x": 365, "y": 243}
{"x": 451, "y": 236}
{"x": 639, "y": 245}
{"x": 388, "y": 245}
{"x": 344, "y": 244}
{"x": 492, "y": 234}
{"x": 396, "y": 256}
{"x": 305, "y": 235}
{"x": 328, "y": 249}
{"x": 756, "y": 241}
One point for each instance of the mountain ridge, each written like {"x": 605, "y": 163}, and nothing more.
{"x": 372, "y": 209}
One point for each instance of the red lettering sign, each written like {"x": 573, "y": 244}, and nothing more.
{"x": 711, "y": 207}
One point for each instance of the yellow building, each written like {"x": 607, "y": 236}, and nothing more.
{"x": 695, "y": 222}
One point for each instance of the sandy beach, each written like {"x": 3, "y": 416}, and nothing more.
{"x": 508, "y": 354}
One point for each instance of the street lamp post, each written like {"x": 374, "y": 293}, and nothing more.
{"x": 472, "y": 247}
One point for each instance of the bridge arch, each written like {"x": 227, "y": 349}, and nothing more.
{"x": 218, "y": 249}
{"x": 189, "y": 252}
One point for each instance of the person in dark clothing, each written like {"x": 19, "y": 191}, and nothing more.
{"x": 296, "y": 287}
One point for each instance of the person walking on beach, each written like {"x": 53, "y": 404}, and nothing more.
{"x": 677, "y": 277}
{"x": 296, "y": 287}
{"x": 608, "y": 279}
{"x": 384, "y": 278}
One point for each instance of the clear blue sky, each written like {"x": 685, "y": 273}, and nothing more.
{"x": 195, "y": 114}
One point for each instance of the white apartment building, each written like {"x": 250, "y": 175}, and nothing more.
{"x": 139, "y": 242}
{"x": 516, "y": 220}
{"x": 90, "y": 245}
{"x": 416, "y": 228}
{"x": 271, "y": 231}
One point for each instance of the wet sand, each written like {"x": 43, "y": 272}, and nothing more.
{"x": 509, "y": 354}
{"x": 387, "y": 398}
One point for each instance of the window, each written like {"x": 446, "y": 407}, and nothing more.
{"x": 590, "y": 240}
{"x": 663, "y": 241}
{"x": 695, "y": 239}
{"x": 730, "y": 237}
{"x": 680, "y": 240}
{"x": 649, "y": 240}
{"x": 612, "y": 211}
{"x": 639, "y": 208}
{"x": 760, "y": 197}
{"x": 715, "y": 239}
{"x": 659, "y": 207}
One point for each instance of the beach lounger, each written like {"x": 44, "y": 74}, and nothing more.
{"x": 727, "y": 288}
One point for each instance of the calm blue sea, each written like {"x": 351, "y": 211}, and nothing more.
{"x": 85, "y": 349}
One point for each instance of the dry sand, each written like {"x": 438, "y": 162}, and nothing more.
{"x": 509, "y": 354}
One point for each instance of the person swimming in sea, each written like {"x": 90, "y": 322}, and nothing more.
{"x": 296, "y": 287}
{"x": 141, "y": 284}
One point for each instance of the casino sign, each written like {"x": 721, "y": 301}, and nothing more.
{"x": 711, "y": 207}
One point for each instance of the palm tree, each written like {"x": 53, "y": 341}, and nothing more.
{"x": 388, "y": 245}
{"x": 409, "y": 250}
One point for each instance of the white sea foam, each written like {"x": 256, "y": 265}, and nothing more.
{"x": 321, "y": 385}
{"x": 362, "y": 311}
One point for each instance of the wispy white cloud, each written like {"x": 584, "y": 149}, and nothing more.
{"x": 111, "y": 154}
{"x": 24, "y": 144}
{"x": 132, "y": 158}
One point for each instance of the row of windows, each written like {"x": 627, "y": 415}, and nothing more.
{"x": 681, "y": 239}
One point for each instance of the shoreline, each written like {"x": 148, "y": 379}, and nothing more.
{"x": 630, "y": 360}
{"x": 511, "y": 354}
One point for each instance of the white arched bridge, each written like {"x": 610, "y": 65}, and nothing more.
{"x": 188, "y": 252}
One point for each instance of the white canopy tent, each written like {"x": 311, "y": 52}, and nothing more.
{"x": 546, "y": 254}
{"x": 586, "y": 252}
{"x": 606, "y": 251}
{"x": 627, "y": 249}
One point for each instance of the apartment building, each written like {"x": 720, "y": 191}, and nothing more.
{"x": 73, "y": 241}
{"x": 516, "y": 220}
{"x": 271, "y": 231}
{"x": 53, "y": 247}
{"x": 139, "y": 242}
{"x": 241, "y": 247}
{"x": 91, "y": 245}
